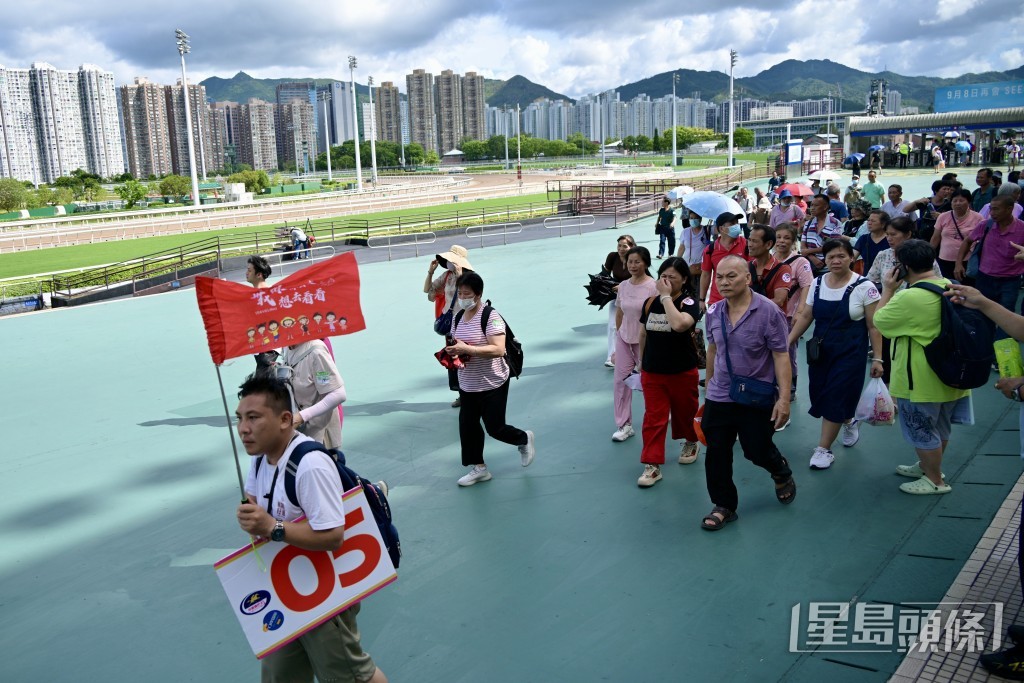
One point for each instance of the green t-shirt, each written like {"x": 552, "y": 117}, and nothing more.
{"x": 912, "y": 319}
{"x": 874, "y": 193}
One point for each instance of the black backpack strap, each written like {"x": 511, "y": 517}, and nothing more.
{"x": 292, "y": 467}
{"x": 485, "y": 316}
{"x": 455, "y": 323}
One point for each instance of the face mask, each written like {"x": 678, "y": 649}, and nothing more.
{"x": 856, "y": 182}
{"x": 734, "y": 231}
{"x": 451, "y": 266}
{"x": 466, "y": 304}
{"x": 694, "y": 222}
{"x": 786, "y": 203}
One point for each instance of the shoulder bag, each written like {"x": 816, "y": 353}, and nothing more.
{"x": 746, "y": 391}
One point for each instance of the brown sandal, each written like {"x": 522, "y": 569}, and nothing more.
{"x": 785, "y": 489}
{"x": 712, "y": 522}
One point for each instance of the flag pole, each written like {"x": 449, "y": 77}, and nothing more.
{"x": 231, "y": 432}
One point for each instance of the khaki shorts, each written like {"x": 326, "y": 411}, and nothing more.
{"x": 332, "y": 652}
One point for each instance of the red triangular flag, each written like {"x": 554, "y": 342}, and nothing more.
{"x": 319, "y": 301}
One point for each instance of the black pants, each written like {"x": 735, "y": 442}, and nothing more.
{"x": 721, "y": 423}
{"x": 453, "y": 379}
{"x": 489, "y": 405}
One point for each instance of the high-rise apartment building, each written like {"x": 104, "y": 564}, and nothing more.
{"x": 422, "y": 115}
{"x": 296, "y": 134}
{"x": 370, "y": 130}
{"x": 218, "y": 140}
{"x": 102, "y": 128}
{"x": 388, "y": 110}
{"x": 474, "y": 104}
{"x": 146, "y": 129}
{"x": 257, "y": 135}
{"x": 403, "y": 108}
{"x": 200, "y": 113}
{"x": 224, "y": 117}
{"x": 19, "y": 141}
{"x": 340, "y": 123}
{"x": 448, "y": 100}
{"x": 58, "y": 112}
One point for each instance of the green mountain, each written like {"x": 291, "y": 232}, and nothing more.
{"x": 796, "y": 80}
{"x": 240, "y": 87}
{"x": 521, "y": 91}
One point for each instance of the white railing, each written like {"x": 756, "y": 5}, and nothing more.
{"x": 574, "y": 221}
{"x": 516, "y": 228}
{"x": 404, "y": 241}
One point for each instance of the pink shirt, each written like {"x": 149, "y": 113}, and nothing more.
{"x": 947, "y": 228}
{"x": 804, "y": 276}
{"x": 631, "y": 300}
{"x": 997, "y": 253}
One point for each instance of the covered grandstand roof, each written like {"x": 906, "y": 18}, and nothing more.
{"x": 982, "y": 119}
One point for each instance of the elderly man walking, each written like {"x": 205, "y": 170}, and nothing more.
{"x": 748, "y": 384}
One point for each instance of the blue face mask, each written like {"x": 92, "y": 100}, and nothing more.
{"x": 694, "y": 222}
{"x": 734, "y": 231}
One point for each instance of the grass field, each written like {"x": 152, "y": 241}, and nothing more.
{"x": 27, "y": 263}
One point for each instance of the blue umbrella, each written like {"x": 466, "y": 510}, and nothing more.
{"x": 963, "y": 146}
{"x": 853, "y": 158}
{"x": 876, "y": 148}
{"x": 711, "y": 204}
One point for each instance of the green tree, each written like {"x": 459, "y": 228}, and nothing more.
{"x": 473, "y": 150}
{"x": 656, "y": 143}
{"x": 743, "y": 137}
{"x": 496, "y": 147}
{"x": 123, "y": 178}
{"x": 62, "y": 196}
{"x": 12, "y": 195}
{"x": 629, "y": 143}
{"x": 431, "y": 158}
{"x": 643, "y": 143}
{"x": 175, "y": 186}
{"x": 45, "y": 196}
{"x": 132, "y": 192}
{"x": 414, "y": 154}
{"x": 254, "y": 181}
{"x": 686, "y": 136}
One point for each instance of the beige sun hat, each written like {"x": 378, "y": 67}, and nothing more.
{"x": 456, "y": 255}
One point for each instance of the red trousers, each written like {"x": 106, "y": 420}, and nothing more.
{"x": 667, "y": 397}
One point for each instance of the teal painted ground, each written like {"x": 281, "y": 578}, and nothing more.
{"x": 121, "y": 492}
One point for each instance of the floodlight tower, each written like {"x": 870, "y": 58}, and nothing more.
{"x": 355, "y": 121}
{"x": 183, "y": 49}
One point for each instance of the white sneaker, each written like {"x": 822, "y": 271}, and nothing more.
{"x": 650, "y": 477}
{"x": 821, "y": 459}
{"x": 623, "y": 432}
{"x": 609, "y": 364}
{"x": 851, "y": 433}
{"x": 689, "y": 453}
{"x": 527, "y": 451}
{"x": 478, "y": 473}
{"x": 788, "y": 422}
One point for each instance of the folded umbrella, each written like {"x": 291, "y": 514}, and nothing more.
{"x": 600, "y": 290}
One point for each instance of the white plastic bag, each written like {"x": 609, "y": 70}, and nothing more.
{"x": 633, "y": 381}
{"x": 876, "y": 406}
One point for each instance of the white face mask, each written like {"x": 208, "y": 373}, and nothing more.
{"x": 466, "y": 304}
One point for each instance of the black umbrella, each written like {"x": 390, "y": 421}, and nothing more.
{"x": 599, "y": 291}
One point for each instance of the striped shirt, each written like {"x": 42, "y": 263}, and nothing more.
{"x": 481, "y": 374}
{"x": 813, "y": 238}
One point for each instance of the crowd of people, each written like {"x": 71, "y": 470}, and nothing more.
{"x": 733, "y": 297}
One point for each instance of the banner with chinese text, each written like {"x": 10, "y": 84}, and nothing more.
{"x": 319, "y": 301}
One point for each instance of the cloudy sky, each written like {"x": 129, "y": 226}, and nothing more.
{"x": 570, "y": 46}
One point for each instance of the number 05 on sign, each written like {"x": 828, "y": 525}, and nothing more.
{"x": 304, "y": 588}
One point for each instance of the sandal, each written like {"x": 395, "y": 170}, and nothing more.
{"x": 785, "y": 489}
{"x": 712, "y": 522}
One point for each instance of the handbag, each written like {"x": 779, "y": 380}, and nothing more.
{"x": 974, "y": 263}
{"x": 813, "y": 348}
{"x": 697, "y": 335}
{"x": 746, "y": 391}
{"x": 443, "y": 324}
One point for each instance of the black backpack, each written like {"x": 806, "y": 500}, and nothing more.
{"x": 962, "y": 354}
{"x": 513, "y": 349}
{"x": 349, "y": 480}
{"x": 760, "y": 284}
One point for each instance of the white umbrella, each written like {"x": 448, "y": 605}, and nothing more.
{"x": 824, "y": 176}
{"x": 677, "y": 193}
{"x": 710, "y": 205}
{"x": 951, "y": 134}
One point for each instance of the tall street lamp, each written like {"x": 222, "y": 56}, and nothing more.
{"x": 325, "y": 97}
{"x": 373, "y": 132}
{"x": 504, "y": 116}
{"x": 675, "y": 119}
{"x": 183, "y": 49}
{"x": 355, "y": 121}
{"x": 732, "y": 106}
{"x": 519, "y": 151}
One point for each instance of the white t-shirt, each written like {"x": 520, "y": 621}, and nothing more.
{"x": 901, "y": 210}
{"x": 317, "y": 486}
{"x": 694, "y": 245}
{"x": 298, "y": 235}
{"x": 314, "y": 375}
{"x": 861, "y": 296}
{"x": 481, "y": 374}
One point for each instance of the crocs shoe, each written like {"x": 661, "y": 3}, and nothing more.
{"x": 924, "y": 487}
{"x": 913, "y": 471}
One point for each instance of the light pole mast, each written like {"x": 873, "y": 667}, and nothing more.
{"x": 675, "y": 79}
{"x": 184, "y": 49}
{"x": 355, "y": 121}
{"x": 373, "y": 133}
{"x": 325, "y": 97}
{"x": 600, "y": 128}
{"x": 732, "y": 105}
{"x": 504, "y": 116}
